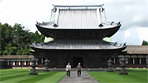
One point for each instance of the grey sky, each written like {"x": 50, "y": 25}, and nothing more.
{"x": 131, "y": 13}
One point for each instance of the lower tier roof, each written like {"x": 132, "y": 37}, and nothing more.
{"x": 78, "y": 45}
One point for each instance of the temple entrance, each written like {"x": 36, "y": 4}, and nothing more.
{"x": 77, "y": 60}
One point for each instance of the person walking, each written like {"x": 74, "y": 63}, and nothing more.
{"x": 79, "y": 68}
{"x": 68, "y": 68}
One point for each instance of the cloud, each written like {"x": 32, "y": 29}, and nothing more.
{"x": 25, "y": 12}
{"x": 137, "y": 18}
{"x": 127, "y": 34}
{"x": 129, "y": 12}
{"x": 133, "y": 36}
{"x": 143, "y": 33}
{"x": 127, "y": 8}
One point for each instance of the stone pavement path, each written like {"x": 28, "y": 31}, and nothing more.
{"x": 84, "y": 78}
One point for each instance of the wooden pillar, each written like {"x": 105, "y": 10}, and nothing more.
{"x": 114, "y": 61}
{"x": 133, "y": 61}
{"x": 7, "y": 62}
{"x": 89, "y": 61}
{"x": 24, "y": 62}
{"x": 139, "y": 60}
{"x": 42, "y": 60}
{"x": 146, "y": 60}
{"x": 13, "y": 62}
{"x": 19, "y": 63}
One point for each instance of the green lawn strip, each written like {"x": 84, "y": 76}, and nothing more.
{"x": 36, "y": 78}
{"x": 135, "y": 76}
{"x": 11, "y": 71}
{"x": 129, "y": 69}
{"x": 14, "y": 80}
{"x": 13, "y": 76}
{"x": 54, "y": 78}
{"x": 5, "y": 70}
{"x": 8, "y": 73}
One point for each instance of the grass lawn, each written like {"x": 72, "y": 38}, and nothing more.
{"x": 22, "y": 76}
{"x": 135, "y": 76}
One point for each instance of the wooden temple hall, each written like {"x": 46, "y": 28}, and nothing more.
{"x": 78, "y": 33}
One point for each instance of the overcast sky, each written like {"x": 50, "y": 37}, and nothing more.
{"x": 133, "y": 15}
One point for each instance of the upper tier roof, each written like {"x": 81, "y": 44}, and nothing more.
{"x": 78, "y": 33}
{"x": 77, "y": 17}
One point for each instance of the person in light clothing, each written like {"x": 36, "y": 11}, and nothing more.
{"x": 79, "y": 68}
{"x": 68, "y": 68}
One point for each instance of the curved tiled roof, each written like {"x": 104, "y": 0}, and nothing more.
{"x": 78, "y": 45}
{"x": 131, "y": 49}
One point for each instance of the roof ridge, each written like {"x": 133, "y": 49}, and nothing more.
{"x": 77, "y": 5}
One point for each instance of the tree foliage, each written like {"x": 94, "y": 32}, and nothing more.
{"x": 15, "y": 40}
{"x": 144, "y": 42}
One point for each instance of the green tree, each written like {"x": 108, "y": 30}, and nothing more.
{"x": 16, "y": 40}
{"x": 37, "y": 38}
{"x": 144, "y": 42}
{"x": 9, "y": 50}
{"x": 5, "y": 37}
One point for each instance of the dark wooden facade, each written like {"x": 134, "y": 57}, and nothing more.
{"x": 136, "y": 58}
{"x": 88, "y": 59}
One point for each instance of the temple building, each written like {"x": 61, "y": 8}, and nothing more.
{"x": 78, "y": 32}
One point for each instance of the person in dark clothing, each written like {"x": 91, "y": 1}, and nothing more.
{"x": 79, "y": 68}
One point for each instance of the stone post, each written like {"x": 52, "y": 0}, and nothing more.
{"x": 109, "y": 65}
{"x": 46, "y": 64}
{"x": 33, "y": 65}
{"x": 123, "y": 65}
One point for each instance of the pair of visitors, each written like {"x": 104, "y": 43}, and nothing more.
{"x": 79, "y": 68}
